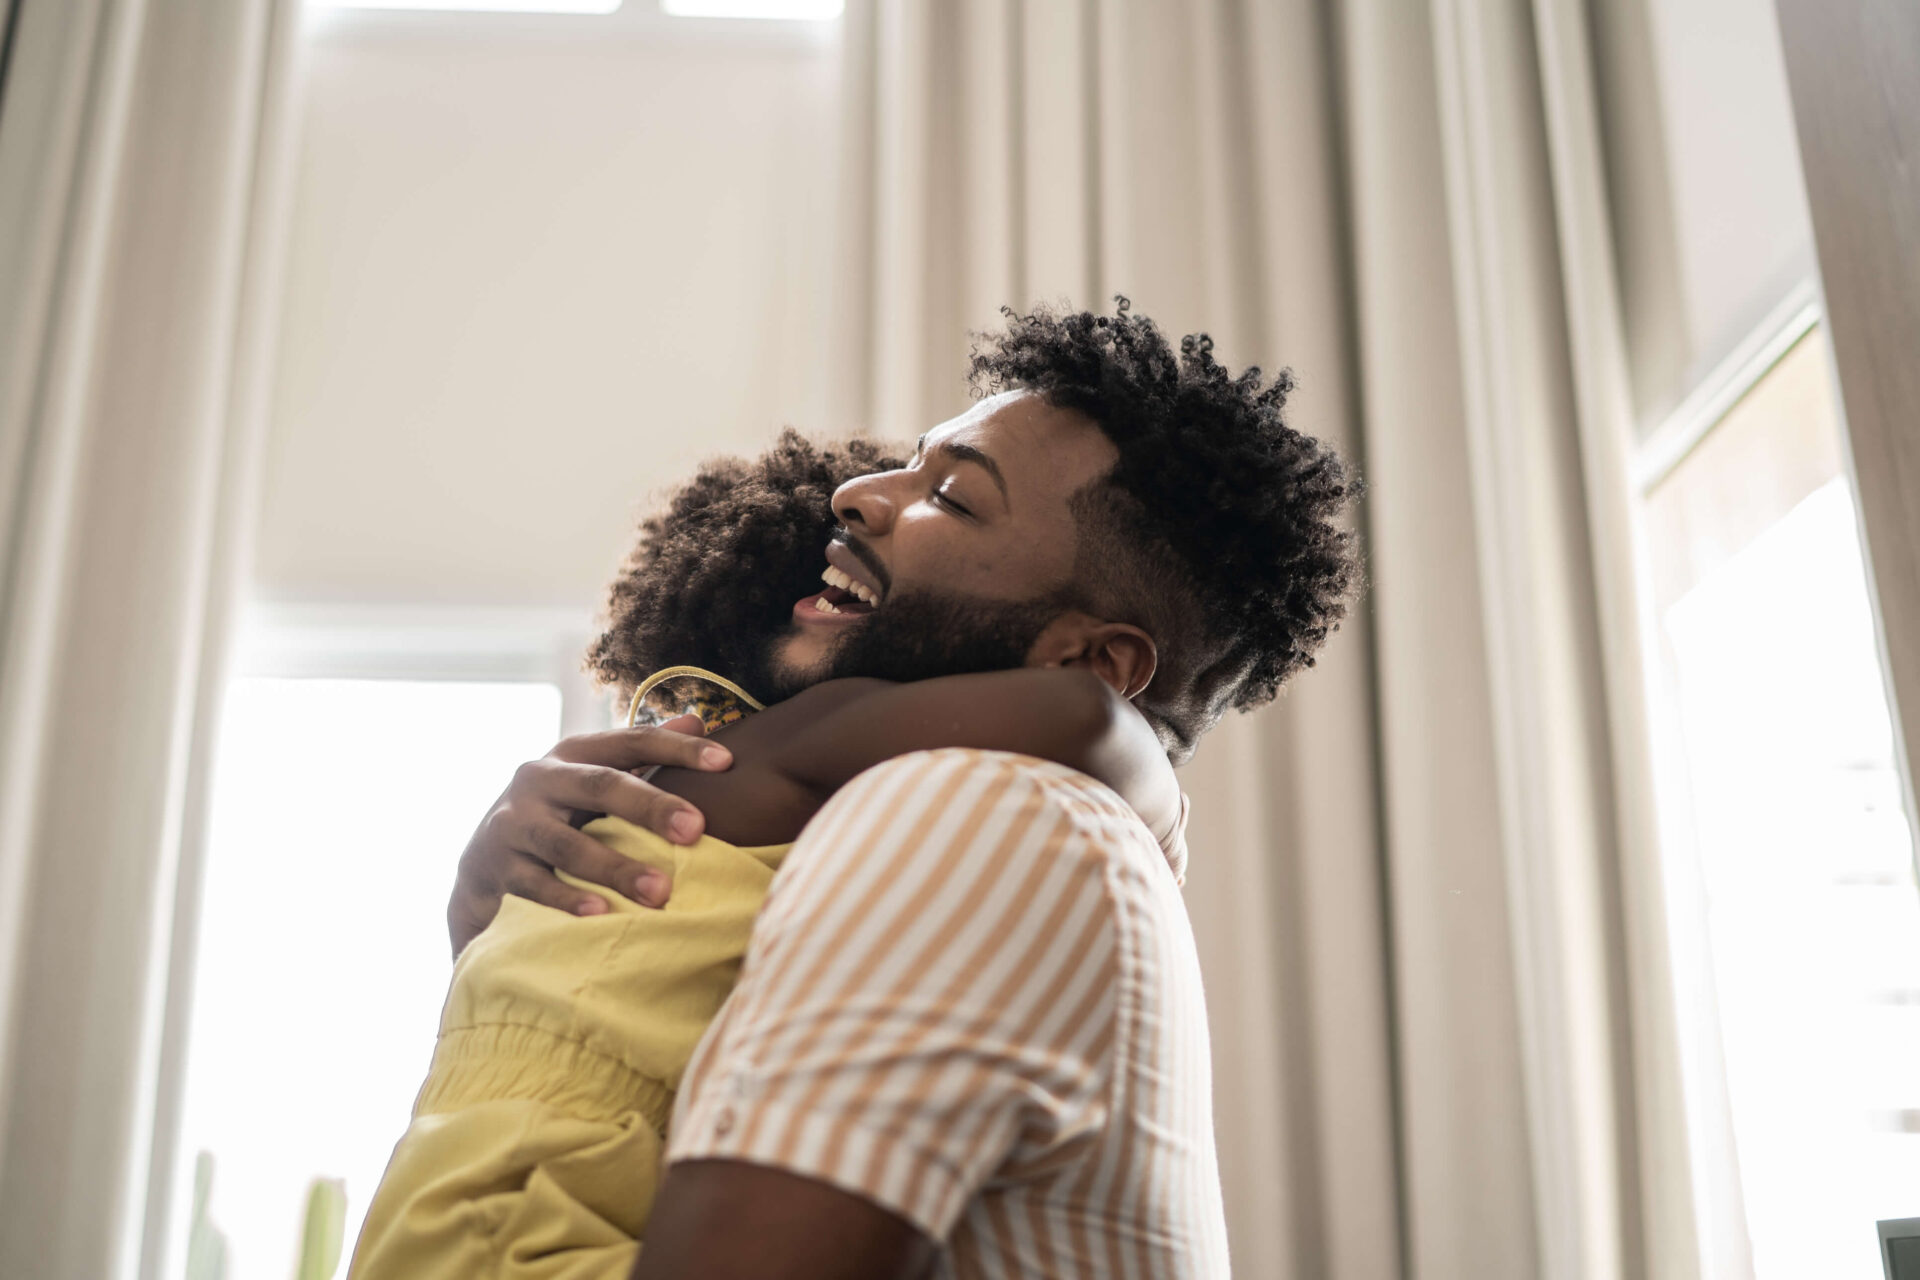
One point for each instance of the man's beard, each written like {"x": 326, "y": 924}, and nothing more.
{"x": 917, "y": 636}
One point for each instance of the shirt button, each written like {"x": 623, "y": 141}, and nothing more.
{"x": 723, "y": 1123}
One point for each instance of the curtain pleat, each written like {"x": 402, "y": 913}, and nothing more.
{"x": 131, "y": 420}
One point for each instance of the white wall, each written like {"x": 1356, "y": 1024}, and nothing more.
{"x": 1711, "y": 222}
{"x": 538, "y": 267}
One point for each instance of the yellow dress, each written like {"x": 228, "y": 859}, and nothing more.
{"x": 534, "y": 1151}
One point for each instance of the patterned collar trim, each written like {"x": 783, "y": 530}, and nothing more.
{"x": 679, "y": 691}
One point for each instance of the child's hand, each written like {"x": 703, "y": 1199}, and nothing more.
{"x": 529, "y": 832}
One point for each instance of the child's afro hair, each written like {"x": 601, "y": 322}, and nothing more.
{"x": 714, "y": 575}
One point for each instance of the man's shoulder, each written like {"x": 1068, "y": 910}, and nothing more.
{"x": 980, "y": 763}
{"x": 965, "y": 802}
{"x": 978, "y": 777}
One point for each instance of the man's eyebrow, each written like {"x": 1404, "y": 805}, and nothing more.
{"x": 960, "y": 452}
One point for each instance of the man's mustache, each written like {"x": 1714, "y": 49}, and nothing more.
{"x": 865, "y": 555}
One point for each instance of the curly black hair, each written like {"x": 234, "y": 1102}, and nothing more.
{"x": 715, "y": 574}
{"x": 1218, "y": 530}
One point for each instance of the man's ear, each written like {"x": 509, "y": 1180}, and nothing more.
{"x": 1118, "y": 652}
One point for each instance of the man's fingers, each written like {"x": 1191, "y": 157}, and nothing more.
{"x": 637, "y": 748}
{"x": 528, "y": 877}
{"x": 526, "y": 834}
{"x": 591, "y": 788}
{"x": 556, "y": 844}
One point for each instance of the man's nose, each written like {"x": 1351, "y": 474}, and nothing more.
{"x": 865, "y": 503}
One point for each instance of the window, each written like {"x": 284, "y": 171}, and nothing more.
{"x": 1789, "y": 794}
{"x": 339, "y": 809}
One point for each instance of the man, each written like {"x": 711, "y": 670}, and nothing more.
{"x": 970, "y": 1031}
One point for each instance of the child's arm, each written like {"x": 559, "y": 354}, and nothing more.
{"x": 1064, "y": 715}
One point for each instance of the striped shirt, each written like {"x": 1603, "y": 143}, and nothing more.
{"x": 973, "y": 997}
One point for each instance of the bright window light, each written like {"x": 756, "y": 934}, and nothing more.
{"x": 475, "y": 6}
{"x": 801, "y": 10}
{"x": 340, "y": 808}
{"x": 1803, "y": 846}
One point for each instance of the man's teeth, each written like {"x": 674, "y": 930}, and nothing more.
{"x": 836, "y": 577}
{"x": 820, "y": 605}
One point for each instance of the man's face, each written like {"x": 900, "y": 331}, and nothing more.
{"x": 966, "y": 553}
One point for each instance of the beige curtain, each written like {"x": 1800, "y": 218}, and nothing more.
{"x": 1421, "y": 882}
{"x": 138, "y": 176}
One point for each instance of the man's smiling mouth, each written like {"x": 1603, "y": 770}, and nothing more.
{"x": 855, "y": 586}
{"x": 854, "y": 568}
{"x": 835, "y": 604}
{"x": 845, "y": 596}
{"x": 837, "y": 577}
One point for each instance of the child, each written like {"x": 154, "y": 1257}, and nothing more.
{"x": 535, "y": 1145}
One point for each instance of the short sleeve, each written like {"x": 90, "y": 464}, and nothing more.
{"x": 928, "y": 1001}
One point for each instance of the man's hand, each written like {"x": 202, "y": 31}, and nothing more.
{"x": 531, "y": 829}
